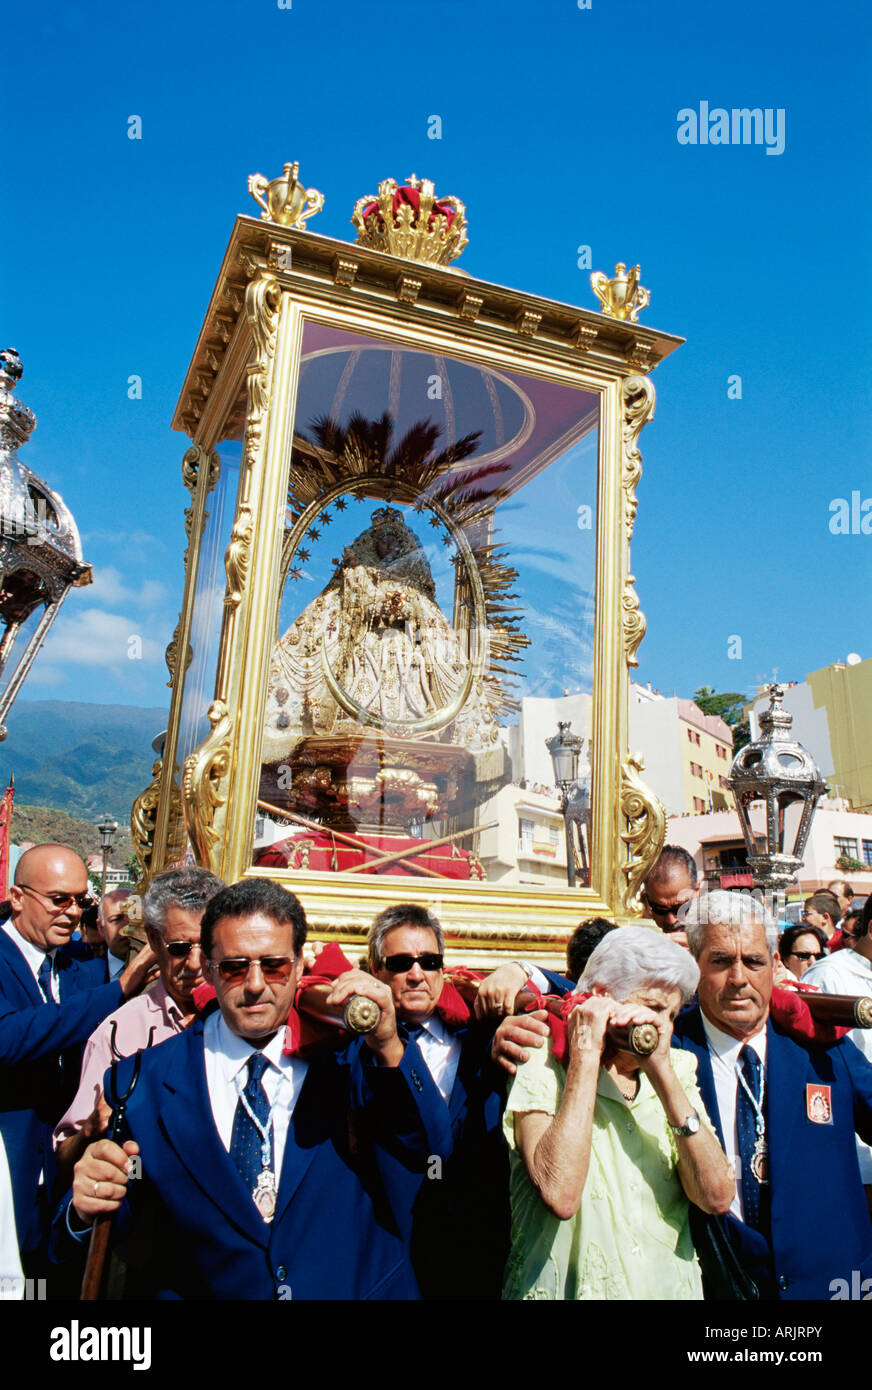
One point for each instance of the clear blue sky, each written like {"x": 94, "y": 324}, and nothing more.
{"x": 558, "y": 129}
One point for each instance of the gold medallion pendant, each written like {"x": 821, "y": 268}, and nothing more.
{"x": 264, "y": 1195}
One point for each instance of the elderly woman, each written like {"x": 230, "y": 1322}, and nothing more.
{"x": 609, "y": 1151}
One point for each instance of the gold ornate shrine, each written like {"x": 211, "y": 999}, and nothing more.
{"x": 412, "y": 500}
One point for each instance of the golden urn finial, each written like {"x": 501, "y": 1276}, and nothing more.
{"x": 286, "y": 201}
{"x": 621, "y": 297}
{"x": 411, "y": 221}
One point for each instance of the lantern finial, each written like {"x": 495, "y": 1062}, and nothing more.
{"x": 780, "y": 773}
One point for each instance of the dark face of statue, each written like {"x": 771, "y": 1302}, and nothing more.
{"x": 388, "y": 545}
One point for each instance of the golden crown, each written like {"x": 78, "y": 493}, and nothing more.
{"x": 410, "y": 221}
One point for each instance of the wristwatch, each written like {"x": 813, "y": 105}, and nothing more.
{"x": 690, "y": 1126}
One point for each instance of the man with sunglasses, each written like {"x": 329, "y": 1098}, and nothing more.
{"x": 173, "y": 908}
{"x": 262, "y": 1176}
{"x": 51, "y": 999}
{"x": 670, "y": 886}
{"x": 457, "y": 1215}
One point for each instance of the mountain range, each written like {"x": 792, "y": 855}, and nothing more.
{"x": 84, "y": 759}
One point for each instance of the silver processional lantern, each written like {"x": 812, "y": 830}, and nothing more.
{"x": 780, "y": 773}
{"x": 40, "y": 550}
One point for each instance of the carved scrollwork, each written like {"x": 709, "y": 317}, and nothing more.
{"x": 638, "y": 408}
{"x": 204, "y": 785}
{"x": 143, "y": 817}
{"x": 262, "y": 298}
{"x": 645, "y": 832}
{"x": 171, "y": 656}
{"x": 639, "y": 400}
{"x": 237, "y": 556}
{"x": 143, "y": 820}
{"x": 633, "y": 621}
{"x": 191, "y": 466}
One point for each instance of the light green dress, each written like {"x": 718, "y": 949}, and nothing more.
{"x": 630, "y": 1238}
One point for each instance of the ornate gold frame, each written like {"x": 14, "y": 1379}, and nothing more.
{"x": 273, "y": 280}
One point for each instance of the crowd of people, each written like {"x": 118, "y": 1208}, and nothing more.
{"x": 491, "y": 1136}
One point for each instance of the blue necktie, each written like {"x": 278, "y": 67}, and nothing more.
{"x": 43, "y": 978}
{"x": 754, "y": 1195}
{"x": 414, "y": 1031}
{"x": 246, "y": 1142}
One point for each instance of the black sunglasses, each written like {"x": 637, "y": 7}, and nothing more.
{"x": 275, "y": 969}
{"x": 179, "y": 949}
{"x": 61, "y": 902}
{"x": 806, "y": 955}
{"x": 398, "y": 965}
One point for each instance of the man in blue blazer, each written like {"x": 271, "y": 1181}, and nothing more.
{"x": 51, "y": 1000}
{"x": 456, "y": 1214}
{"x": 809, "y": 1101}
{"x": 813, "y": 1099}
{"x": 260, "y": 1180}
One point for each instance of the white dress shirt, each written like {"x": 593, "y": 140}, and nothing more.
{"x": 227, "y": 1072}
{"x": 34, "y": 957}
{"x": 11, "y": 1276}
{"x": 724, "y": 1052}
{"x": 847, "y": 972}
{"x": 440, "y": 1050}
{"x": 115, "y": 966}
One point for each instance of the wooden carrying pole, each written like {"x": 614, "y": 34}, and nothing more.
{"x": 639, "y": 1038}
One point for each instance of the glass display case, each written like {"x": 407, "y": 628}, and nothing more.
{"x": 412, "y": 499}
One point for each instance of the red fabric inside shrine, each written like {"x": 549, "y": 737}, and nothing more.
{"x": 447, "y": 861}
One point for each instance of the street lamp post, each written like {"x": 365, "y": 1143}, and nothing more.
{"x": 565, "y": 749}
{"x": 778, "y": 771}
{"x": 107, "y": 828}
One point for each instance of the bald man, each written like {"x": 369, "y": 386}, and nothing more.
{"x": 51, "y": 1000}
{"x": 111, "y": 921}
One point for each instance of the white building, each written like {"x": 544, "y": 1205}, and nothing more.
{"x": 528, "y": 845}
{"x": 687, "y": 753}
{"x": 718, "y": 846}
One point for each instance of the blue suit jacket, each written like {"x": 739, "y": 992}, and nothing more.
{"x": 334, "y": 1234}
{"x": 40, "y": 1056}
{"x": 560, "y": 984}
{"x": 820, "y": 1228}
{"x": 454, "y": 1213}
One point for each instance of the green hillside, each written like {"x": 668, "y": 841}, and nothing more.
{"x": 42, "y": 824}
{"x": 83, "y": 759}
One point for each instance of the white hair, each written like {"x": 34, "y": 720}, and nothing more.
{"x": 721, "y": 908}
{"x": 634, "y": 958}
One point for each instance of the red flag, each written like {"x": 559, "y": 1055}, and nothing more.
{"x": 5, "y": 823}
